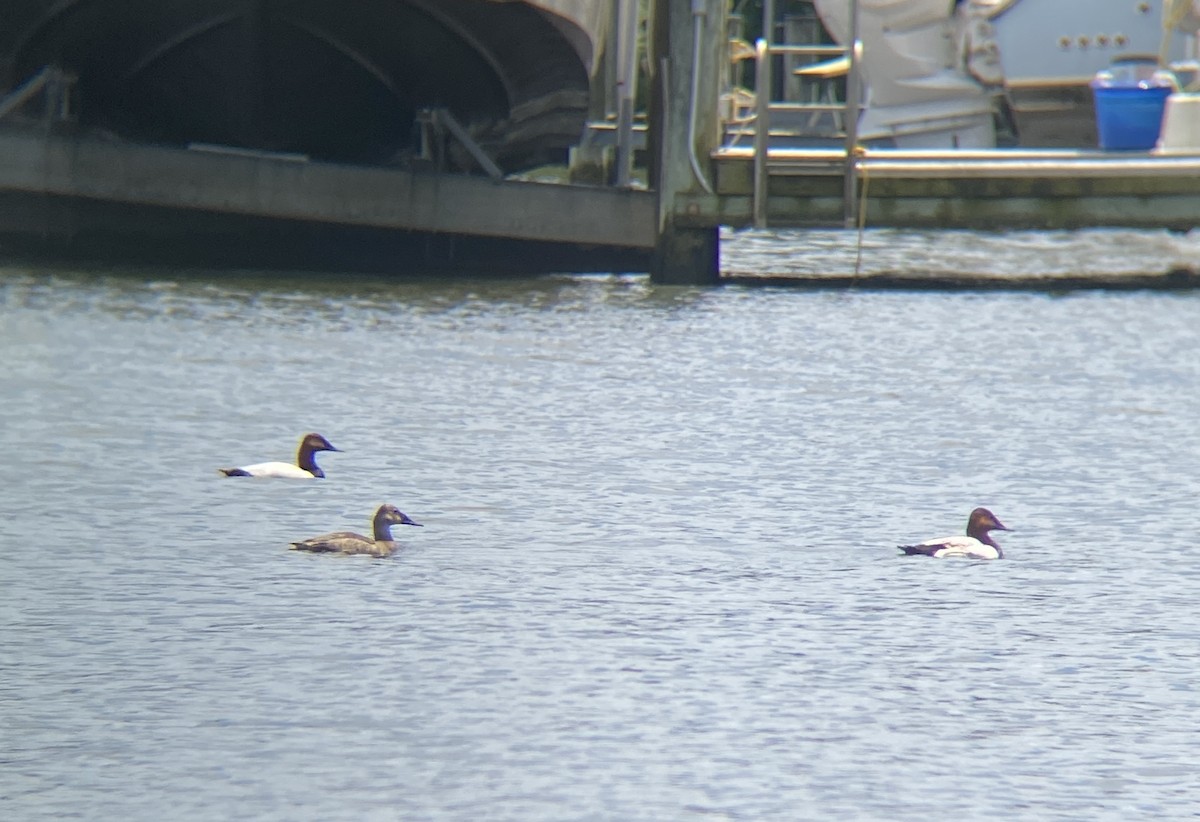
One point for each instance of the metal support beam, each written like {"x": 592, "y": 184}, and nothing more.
{"x": 55, "y": 82}
{"x": 443, "y": 117}
{"x": 627, "y": 61}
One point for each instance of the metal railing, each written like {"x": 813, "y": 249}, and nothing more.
{"x": 764, "y": 50}
{"x": 55, "y": 83}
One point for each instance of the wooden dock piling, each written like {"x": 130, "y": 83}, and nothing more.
{"x": 685, "y": 56}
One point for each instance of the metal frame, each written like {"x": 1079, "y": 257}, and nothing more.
{"x": 764, "y": 49}
{"x": 58, "y": 86}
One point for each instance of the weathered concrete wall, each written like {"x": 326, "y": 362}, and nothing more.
{"x": 44, "y": 178}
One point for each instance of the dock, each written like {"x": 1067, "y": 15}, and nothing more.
{"x": 67, "y": 186}
{"x": 1001, "y": 189}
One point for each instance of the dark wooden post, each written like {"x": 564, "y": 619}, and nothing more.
{"x": 684, "y": 129}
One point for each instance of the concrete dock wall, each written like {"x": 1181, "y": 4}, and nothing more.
{"x": 34, "y": 165}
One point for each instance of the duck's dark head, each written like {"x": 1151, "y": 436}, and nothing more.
{"x": 315, "y": 442}
{"x": 981, "y": 521}
{"x": 309, "y": 445}
{"x": 391, "y": 515}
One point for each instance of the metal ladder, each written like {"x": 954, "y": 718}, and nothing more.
{"x": 764, "y": 49}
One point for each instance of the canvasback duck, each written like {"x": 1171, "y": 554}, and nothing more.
{"x": 348, "y": 542}
{"x": 305, "y": 468}
{"x": 977, "y": 544}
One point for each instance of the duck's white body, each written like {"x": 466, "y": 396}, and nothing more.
{"x": 960, "y": 546}
{"x": 977, "y": 543}
{"x": 305, "y": 466}
{"x": 284, "y": 470}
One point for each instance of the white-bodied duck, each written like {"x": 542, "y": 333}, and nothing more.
{"x": 977, "y": 544}
{"x": 348, "y": 542}
{"x": 305, "y": 466}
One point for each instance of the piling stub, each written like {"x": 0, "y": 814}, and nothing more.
{"x": 687, "y": 256}
{"x": 590, "y": 165}
{"x": 688, "y": 45}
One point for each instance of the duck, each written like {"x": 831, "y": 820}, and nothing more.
{"x": 380, "y": 544}
{"x": 305, "y": 468}
{"x": 977, "y": 544}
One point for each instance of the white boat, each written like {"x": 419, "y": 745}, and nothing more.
{"x": 1052, "y": 50}
{"x": 937, "y": 74}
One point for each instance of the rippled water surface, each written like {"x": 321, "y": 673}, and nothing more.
{"x": 658, "y": 577}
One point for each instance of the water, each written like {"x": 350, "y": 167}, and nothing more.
{"x": 658, "y": 577}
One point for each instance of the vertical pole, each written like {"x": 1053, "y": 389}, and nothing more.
{"x": 763, "y": 92}
{"x": 768, "y": 34}
{"x": 51, "y": 95}
{"x": 762, "y": 128}
{"x": 850, "y": 192}
{"x": 606, "y": 107}
{"x": 627, "y": 58}
{"x": 689, "y": 39}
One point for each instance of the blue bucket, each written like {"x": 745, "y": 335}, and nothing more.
{"x": 1129, "y": 117}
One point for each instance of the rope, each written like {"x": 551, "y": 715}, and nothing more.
{"x": 862, "y": 212}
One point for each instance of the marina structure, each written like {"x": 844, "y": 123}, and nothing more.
{"x": 415, "y": 135}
